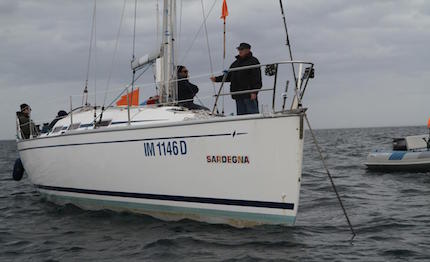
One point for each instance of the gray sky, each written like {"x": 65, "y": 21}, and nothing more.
{"x": 372, "y": 58}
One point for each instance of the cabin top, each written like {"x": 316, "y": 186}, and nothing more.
{"x": 83, "y": 119}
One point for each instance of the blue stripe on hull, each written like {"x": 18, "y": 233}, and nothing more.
{"x": 233, "y": 218}
{"x": 190, "y": 199}
{"x": 397, "y": 155}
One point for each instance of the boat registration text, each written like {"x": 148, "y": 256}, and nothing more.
{"x": 165, "y": 148}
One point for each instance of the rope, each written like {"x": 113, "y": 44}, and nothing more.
{"x": 325, "y": 166}
{"x": 114, "y": 53}
{"x": 326, "y": 169}
{"x": 330, "y": 176}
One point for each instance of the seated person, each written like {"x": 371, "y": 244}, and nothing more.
{"x": 187, "y": 90}
{"x": 26, "y": 125}
{"x": 152, "y": 100}
{"x": 60, "y": 115}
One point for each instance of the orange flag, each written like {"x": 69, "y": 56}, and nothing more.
{"x": 133, "y": 97}
{"x": 224, "y": 10}
{"x": 224, "y": 15}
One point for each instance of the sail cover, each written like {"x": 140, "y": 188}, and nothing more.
{"x": 144, "y": 60}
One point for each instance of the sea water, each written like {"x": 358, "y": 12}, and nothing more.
{"x": 389, "y": 211}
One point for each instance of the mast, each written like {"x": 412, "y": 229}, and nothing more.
{"x": 168, "y": 90}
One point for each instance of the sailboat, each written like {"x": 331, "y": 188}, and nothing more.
{"x": 173, "y": 163}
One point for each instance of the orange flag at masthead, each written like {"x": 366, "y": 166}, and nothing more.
{"x": 224, "y": 10}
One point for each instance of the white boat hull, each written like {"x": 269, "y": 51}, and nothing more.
{"x": 399, "y": 161}
{"x": 241, "y": 171}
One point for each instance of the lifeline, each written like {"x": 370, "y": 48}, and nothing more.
{"x": 228, "y": 159}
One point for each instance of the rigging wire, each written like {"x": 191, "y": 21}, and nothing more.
{"x": 207, "y": 42}
{"x": 125, "y": 89}
{"x": 157, "y": 22}
{"x": 180, "y": 25}
{"x": 85, "y": 95}
{"x": 224, "y": 17}
{"x": 134, "y": 29}
{"x": 114, "y": 53}
{"x": 174, "y": 53}
{"x": 287, "y": 40}
{"x": 143, "y": 85}
{"x": 197, "y": 33}
{"x": 133, "y": 55}
{"x": 205, "y": 17}
{"x": 95, "y": 59}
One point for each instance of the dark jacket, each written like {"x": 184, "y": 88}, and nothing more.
{"x": 186, "y": 91}
{"x": 25, "y": 125}
{"x": 244, "y": 79}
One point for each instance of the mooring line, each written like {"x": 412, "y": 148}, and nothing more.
{"x": 330, "y": 177}
{"x": 309, "y": 125}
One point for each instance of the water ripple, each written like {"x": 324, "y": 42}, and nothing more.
{"x": 390, "y": 212}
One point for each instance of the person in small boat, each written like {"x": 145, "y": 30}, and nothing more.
{"x": 244, "y": 80}
{"x": 186, "y": 90}
{"x": 60, "y": 115}
{"x": 26, "y": 125}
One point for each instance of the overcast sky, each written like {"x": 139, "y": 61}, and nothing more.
{"x": 372, "y": 56}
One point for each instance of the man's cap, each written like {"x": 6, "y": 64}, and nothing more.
{"x": 23, "y": 107}
{"x": 244, "y": 46}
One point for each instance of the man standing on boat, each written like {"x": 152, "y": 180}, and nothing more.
{"x": 244, "y": 80}
{"x": 27, "y": 126}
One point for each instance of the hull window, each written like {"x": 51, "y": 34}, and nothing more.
{"x": 74, "y": 126}
{"x": 57, "y": 129}
{"x": 103, "y": 123}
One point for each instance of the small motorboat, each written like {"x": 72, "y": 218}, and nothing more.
{"x": 410, "y": 153}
